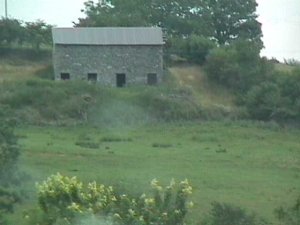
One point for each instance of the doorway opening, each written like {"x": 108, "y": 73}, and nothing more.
{"x": 151, "y": 78}
{"x": 121, "y": 79}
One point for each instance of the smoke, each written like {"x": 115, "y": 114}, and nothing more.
{"x": 120, "y": 114}
{"x": 93, "y": 220}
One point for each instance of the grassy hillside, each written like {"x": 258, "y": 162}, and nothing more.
{"x": 22, "y": 64}
{"x": 127, "y": 137}
{"x": 185, "y": 95}
{"x": 251, "y": 165}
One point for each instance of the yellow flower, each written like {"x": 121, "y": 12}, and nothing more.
{"x": 190, "y": 204}
{"x": 117, "y": 216}
{"x": 149, "y": 201}
{"x": 165, "y": 214}
{"x": 141, "y": 218}
{"x": 184, "y": 182}
{"x": 75, "y": 207}
{"x": 177, "y": 211}
{"x": 131, "y": 212}
{"x": 154, "y": 183}
{"x": 172, "y": 184}
{"x": 187, "y": 190}
{"x": 143, "y": 195}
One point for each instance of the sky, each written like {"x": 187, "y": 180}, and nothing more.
{"x": 280, "y": 20}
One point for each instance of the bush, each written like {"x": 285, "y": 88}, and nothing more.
{"x": 170, "y": 105}
{"x": 237, "y": 66}
{"x": 226, "y": 214}
{"x": 263, "y": 101}
{"x": 277, "y": 99}
{"x": 9, "y": 154}
{"x": 194, "y": 48}
{"x": 291, "y": 215}
{"x": 64, "y": 198}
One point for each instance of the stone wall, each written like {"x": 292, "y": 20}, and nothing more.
{"x": 107, "y": 61}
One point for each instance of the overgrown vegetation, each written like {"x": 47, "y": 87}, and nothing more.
{"x": 14, "y": 32}
{"x": 227, "y": 214}
{"x": 9, "y": 154}
{"x": 290, "y": 215}
{"x": 267, "y": 94}
{"x": 126, "y": 136}
{"x": 66, "y": 200}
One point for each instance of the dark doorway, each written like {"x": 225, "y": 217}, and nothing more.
{"x": 92, "y": 77}
{"x": 65, "y": 76}
{"x": 121, "y": 79}
{"x": 152, "y": 79}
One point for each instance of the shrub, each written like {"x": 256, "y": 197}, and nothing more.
{"x": 276, "y": 99}
{"x": 237, "y": 66}
{"x": 291, "y": 215}
{"x": 170, "y": 105}
{"x": 9, "y": 154}
{"x": 194, "y": 48}
{"x": 226, "y": 214}
{"x": 87, "y": 144}
{"x": 67, "y": 198}
{"x": 263, "y": 101}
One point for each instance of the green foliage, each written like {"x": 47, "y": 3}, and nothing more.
{"x": 263, "y": 101}
{"x": 233, "y": 20}
{"x": 183, "y": 18}
{"x": 61, "y": 197}
{"x": 13, "y": 31}
{"x": 10, "y": 31}
{"x": 46, "y": 72}
{"x": 194, "y": 48}
{"x": 9, "y": 152}
{"x": 39, "y": 101}
{"x": 289, "y": 215}
{"x": 277, "y": 99}
{"x": 170, "y": 105}
{"x": 226, "y": 214}
{"x": 237, "y": 67}
{"x": 38, "y": 33}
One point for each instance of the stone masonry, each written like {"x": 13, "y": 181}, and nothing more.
{"x": 135, "y": 61}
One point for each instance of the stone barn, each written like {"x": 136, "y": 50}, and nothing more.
{"x": 113, "y": 56}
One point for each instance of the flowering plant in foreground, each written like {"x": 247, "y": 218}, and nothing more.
{"x": 66, "y": 198}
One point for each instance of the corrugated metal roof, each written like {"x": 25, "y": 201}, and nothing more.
{"x": 108, "y": 36}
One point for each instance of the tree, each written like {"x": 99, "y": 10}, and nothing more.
{"x": 10, "y": 31}
{"x": 232, "y": 20}
{"x": 221, "y": 20}
{"x": 237, "y": 66}
{"x": 38, "y": 33}
{"x": 176, "y": 17}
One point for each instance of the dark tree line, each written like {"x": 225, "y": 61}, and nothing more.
{"x": 15, "y": 32}
{"x": 220, "y": 20}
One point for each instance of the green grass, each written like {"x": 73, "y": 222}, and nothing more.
{"x": 252, "y": 165}
{"x": 22, "y": 63}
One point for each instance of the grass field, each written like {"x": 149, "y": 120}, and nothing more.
{"x": 252, "y": 165}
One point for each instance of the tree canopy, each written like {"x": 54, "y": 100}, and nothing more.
{"x": 13, "y": 31}
{"x": 221, "y": 20}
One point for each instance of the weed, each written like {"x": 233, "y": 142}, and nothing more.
{"x": 161, "y": 145}
{"x": 86, "y": 144}
{"x": 227, "y": 214}
{"x": 115, "y": 139}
